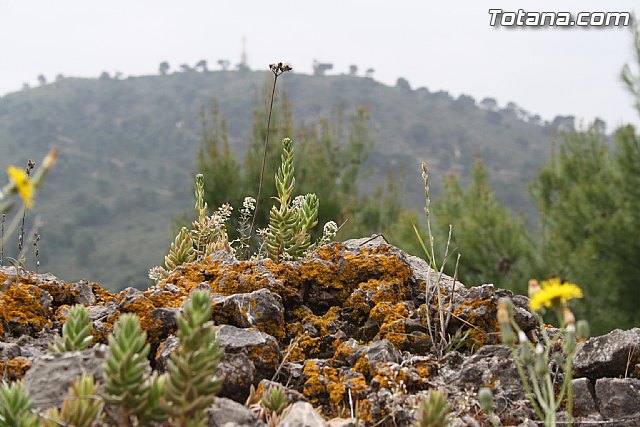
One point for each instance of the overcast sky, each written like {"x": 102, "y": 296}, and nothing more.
{"x": 441, "y": 45}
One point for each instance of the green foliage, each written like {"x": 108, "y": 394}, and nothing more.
{"x": 191, "y": 385}
{"x": 81, "y": 408}
{"x": 287, "y": 236}
{"x": 330, "y": 156}
{"x": 15, "y": 406}
{"x": 127, "y": 369}
{"x": 152, "y": 411}
{"x": 434, "y": 411}
{"x": 589, "y": 201}
{"x": 209, "y": 233}
{"x": 494, "y": 247}
{"x": 75, "y": 332}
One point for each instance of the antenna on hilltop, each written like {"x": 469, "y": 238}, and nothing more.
{"x": 243, "y": 56}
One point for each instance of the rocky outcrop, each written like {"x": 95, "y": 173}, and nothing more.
{"x": 345, "y": 330}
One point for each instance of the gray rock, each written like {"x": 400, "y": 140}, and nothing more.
{"x": 423, "y": 273}
{"x": 262, "y": 309}
{"x": 584, "y": 403}
{"x": 619, "y": 399}
{"x": 51, "y": 375}
{"x": 129, "y": 296}
{"x": 381, "y": 351}
{"x": 83, "y": 293}
{"x": 226, "y": 412}
{"x": 165, "y": 320}
{"x": 342, "y": 422}
{"x": 492, "y": 365}
{"x": 99, "y": 312}
{"x": 261, "y": 348}
{"x": 9, "y": 350}
{"x": 302, "y": 414}
{"x": 166, "y": 348}
{"x": 238, "y": 374}
{"x": 464, "y": 421}
{"x": 608, "y": 355}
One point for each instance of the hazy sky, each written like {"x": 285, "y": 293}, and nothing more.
{"x": 441, "y": 45}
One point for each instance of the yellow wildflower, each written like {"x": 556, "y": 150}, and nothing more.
{"x": 554, "y": 293}
{"x": 23, "y": 184}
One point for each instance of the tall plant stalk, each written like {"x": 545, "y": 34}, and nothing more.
{"x": 277, "y": 70}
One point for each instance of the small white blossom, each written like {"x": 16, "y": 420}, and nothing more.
{"x": 297, "y": 202}
{"x": 157, "y": 274}
{"x": 249, "y": 203}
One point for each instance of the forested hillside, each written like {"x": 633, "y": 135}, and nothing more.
{"x": 128, "y": 151}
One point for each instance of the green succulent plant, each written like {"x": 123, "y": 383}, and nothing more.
{"x": 287, "y": 236}
{"x": 75, "y": 332}
{"x": 152, "y": 412}
{"x": 127, "y": 368}
{"x": 275, "y": 399}
{"x": 191, "y": 384}
{"x": 81, "y": 408}
{"x": 181, "y": 250}
{"x": 434, "y": 410}
{"x": 15, "y": 406}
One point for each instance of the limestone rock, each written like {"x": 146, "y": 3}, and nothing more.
{"x": 302, "y": 414}
{"x": 225, "y": 412}
{"x": 260, "y": 309}
{"x": 619, "y": 399}
{"x": 609, "y": 355}
{"x": 238, "y": 374}
{"x": 584, "y": 403}
{"x": 51, "y": 375}
{"x": 262, "y": 349}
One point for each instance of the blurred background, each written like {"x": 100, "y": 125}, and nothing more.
{"x": 528, "y": 133}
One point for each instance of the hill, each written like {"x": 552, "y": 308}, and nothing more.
{"x": 128, "y": 151}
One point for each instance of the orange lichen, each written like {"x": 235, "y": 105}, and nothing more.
{"x": 313, "y": 386}
{"x": 480, "y": 325}
{"x": 21, "y": 305}
{"x": 14, "y": 369}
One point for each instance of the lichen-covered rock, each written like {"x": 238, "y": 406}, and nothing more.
{"x": 346, "y": 326}
{"x": 619, "y": 399}
{"x": 262, "y": 349}
{"x": 261, "y": 309}
{"x": 612, "y": 355}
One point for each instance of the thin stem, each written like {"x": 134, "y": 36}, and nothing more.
{"x": 277, "y": 69}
